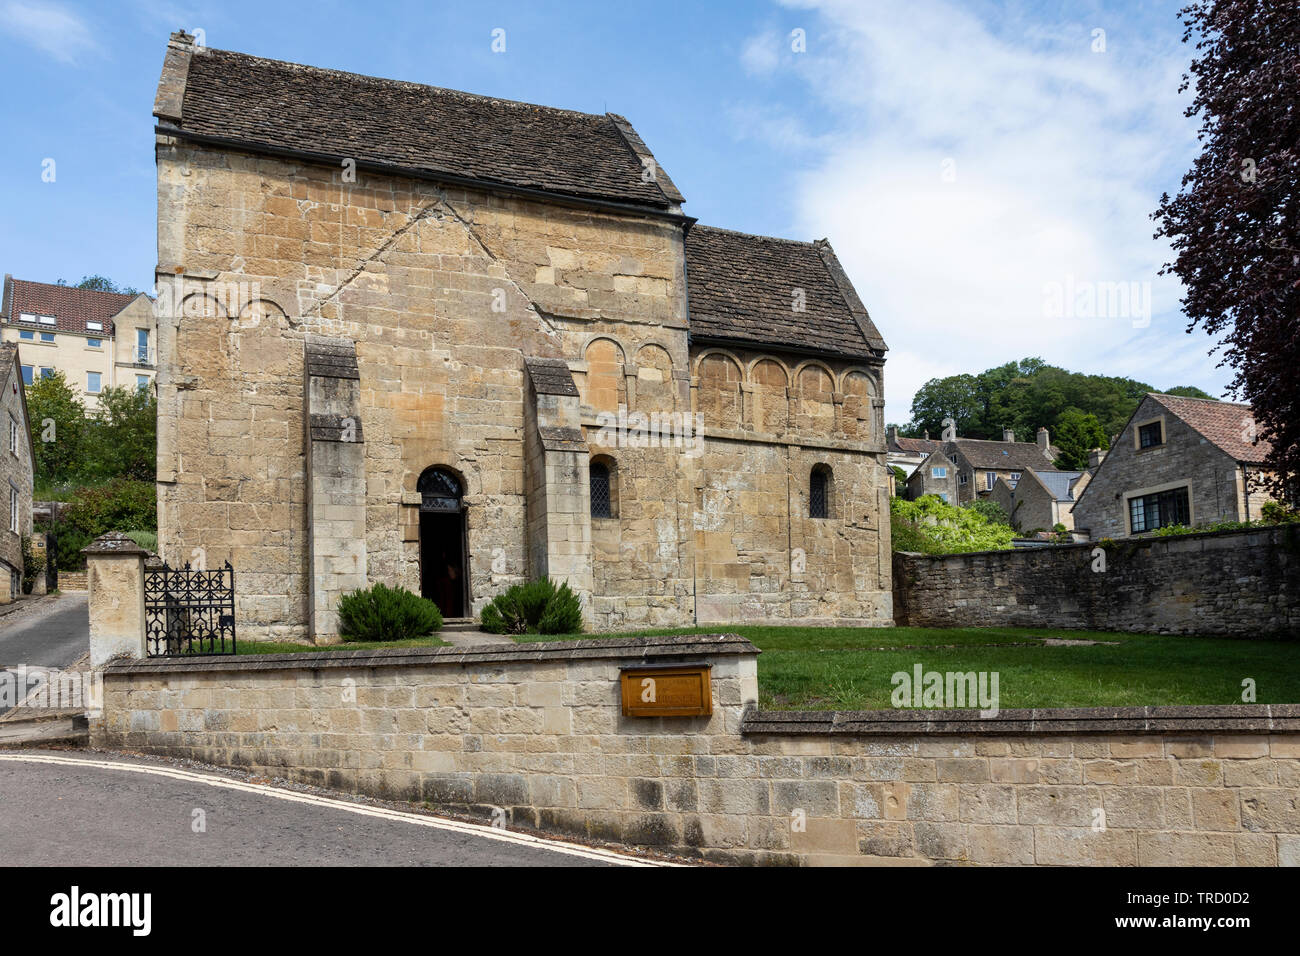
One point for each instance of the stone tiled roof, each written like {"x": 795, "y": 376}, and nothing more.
{"x": 1060, "y": 484}
{"x": 1003, "y": 455}
{"x": 71, "y": 308}
{"x": 550, "y": 376}
{"x": 275, "y": 105}
{"x": 743, "y": 289}
{"x": 920, "y": 446}
{"x": 1227, "y": 425}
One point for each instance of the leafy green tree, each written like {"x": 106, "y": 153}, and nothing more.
{"x": 1076, "y": 433}
{"x": 98, "y": 283}
{"x": 1188, "y": 391}
{"x": 59, "y": 426}
{"x": 124, "y": 432}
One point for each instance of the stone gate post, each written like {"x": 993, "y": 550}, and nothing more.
{"x": 115, "y": 580}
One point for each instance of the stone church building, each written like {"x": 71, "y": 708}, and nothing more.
{"x": 420, "y": 337}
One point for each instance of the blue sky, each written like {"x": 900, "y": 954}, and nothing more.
{"x": 975, "y": 164}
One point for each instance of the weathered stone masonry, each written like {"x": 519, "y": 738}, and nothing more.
{"x": 537, "y": 730}
{"x": 450, "y": 295}
{"x": 1235, "y": 583}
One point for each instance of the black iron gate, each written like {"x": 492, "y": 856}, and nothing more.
{"x": 189, "y": 611}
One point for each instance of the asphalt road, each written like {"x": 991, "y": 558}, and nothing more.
{"x": 142, "y": 812}
{"x": 52, "y": 636}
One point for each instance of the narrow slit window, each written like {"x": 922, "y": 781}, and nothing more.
{"x": 601, "y": 506}
{"x": 819, "y": 494}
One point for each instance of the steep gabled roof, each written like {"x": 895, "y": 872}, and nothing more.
{"x": 916, "y": 446}
{"x": 1002, "y": 455}
{"x": 1227, "y": 425}
{"x": 745, "y": 288}
{"x": 10, "y": 360}
{"x": 1059, "y": 484}
{"x": 71, "y": 308}
{"x": 262, "y": 104}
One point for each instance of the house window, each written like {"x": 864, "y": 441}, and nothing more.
{"x": 601, "y": 504}
{"x": 142, "y": 382}
{"x": 944, "y": 496}
{"x": 953, "y": 459}
{"x": 990, "y": 477}
{"x": 46, "y": 319}
{"x": 963, "y": 478}
{"x": 47, "y": 336}
{"x": 1149, "y": 435}
{"x": 95, "y": 343}
{"x": 47, "y": 373}
{"x": 142, "y": 346}
{"x": 94, "y": 327}
{"x": 938, "y": 472}
{"x": 27, "y": 317}
{"x": 13, "y": 435}
{"x": 819, "y": 492}
{"x": 1158, "y": 510}
{"x": 1015, "y": 476}
{"x": 27, "y": 335}
{"x": 13, "y": 509}
{"x": 93, "y": 382}
{"x": 27, "y": 375}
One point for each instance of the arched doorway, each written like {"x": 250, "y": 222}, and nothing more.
{"x": 444, "y": 564}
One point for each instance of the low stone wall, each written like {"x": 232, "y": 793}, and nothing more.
{"x": 72, "y": 581}
{"x": 1235, "y": 583}
{"x": 537, "y": 731}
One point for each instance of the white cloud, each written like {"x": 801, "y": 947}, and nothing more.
{"x": 48, "y": 27}
{"x": 970, "y": 169}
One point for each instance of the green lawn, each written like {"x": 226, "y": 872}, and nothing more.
{"x": 805, "y": 668}
{"x": 269, "y": 647}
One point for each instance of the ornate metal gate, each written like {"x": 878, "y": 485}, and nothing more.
{"x": 189, "y": 611}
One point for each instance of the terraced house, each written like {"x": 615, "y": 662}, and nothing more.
{"x": 98, "y": 340}
{"x": 450, "y": 342}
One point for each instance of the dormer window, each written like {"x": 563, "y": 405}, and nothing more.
{"x": 94, "y": 326}
{"x": 45, "y": 319}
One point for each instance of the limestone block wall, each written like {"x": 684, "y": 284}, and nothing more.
{"x": 537, "y": 731}
{"x": 15, "y": 471}
{"x": 1236, "y": 583}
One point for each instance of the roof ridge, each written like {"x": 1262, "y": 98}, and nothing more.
{"x": 755, "y": 235}
{"x": 1194, "y": 398}
{"x": 382, "y": 81}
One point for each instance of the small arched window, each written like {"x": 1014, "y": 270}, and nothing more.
{"x": 819, "y": 492}
{"x": 602, "y": 504}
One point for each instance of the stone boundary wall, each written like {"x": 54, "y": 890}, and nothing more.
{"x": 537, "y": 730}
{"x": 72, "y": 581}
{"x": 1231, "y": 583}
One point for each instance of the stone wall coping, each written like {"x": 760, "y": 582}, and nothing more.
{"x": 1193, "y": 720}
{"x": 1138, "y": 540}
{"x": 636, "y": 650}
{"x": 113, "y": 542}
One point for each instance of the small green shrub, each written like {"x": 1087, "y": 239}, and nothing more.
{"x": 33, "y": 565}
{"x": 1274, "y": 512}
{"x": 932, "y": 526}
{"x": 381, "y": 613}
{"x": 991, "y": 510}
{"x": 145, "y": 539}
{"x": 538, "y": 607}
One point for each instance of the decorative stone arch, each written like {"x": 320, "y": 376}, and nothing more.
{"x": 259, "y": 341}
{"x": 651, "y": 379}
{"x": 444, "y": 539}
{"x": 814, "y": 398}
{"x": 603, "y": 383}
{"x": 718, "y": 383}
{"x": 768, "y": 386}
{"x": 861, "y": 401}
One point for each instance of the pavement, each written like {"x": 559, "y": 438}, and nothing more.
{"x": 89, "y": 808}
{"x": 50, "y": 633}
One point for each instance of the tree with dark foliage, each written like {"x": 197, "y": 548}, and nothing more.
{"x": 1235, "y": 224}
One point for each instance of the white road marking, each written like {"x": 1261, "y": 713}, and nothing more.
{"x": 437, "y": 823}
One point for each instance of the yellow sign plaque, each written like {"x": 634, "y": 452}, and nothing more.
{"x": 681, "y": 691}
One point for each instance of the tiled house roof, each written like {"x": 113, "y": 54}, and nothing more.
{"x": 1002, "y": 455}
{"x": 922, "y": 446}
{"x": 1059, "y": 483}
{"x": 270, "y": 104}
{"x": 744, "y": 289}
{"x": 1227, "y": 425}
{"x": 71, "y": 308}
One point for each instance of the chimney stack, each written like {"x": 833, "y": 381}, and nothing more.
{"x": 1043, "y": 442}
{"x": 1008, "y": 434}
{"x": 892, "y": 434}
{"x": 1095, "y": 457}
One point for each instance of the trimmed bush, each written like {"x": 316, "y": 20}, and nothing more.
{"x": 145, "y": 539}
{"x": 538, "y": 607}
{"x": 381, "y": 613}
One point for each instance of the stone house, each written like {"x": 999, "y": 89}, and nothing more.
{"x": 98, "y": 340}
{"x": 907, "y": 453}
{"x": 1040, "y": 500}
{"x": 449, "y": 342}
{"x": 1189, "y": 461}
{"x": 935, "y": 475}
{"x": 16, "y": 470}
{"x": 980, "y": 463}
